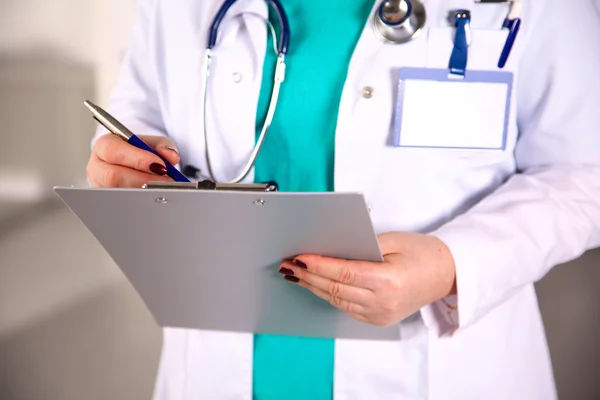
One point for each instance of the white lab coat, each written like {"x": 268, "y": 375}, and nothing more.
{"x": 508, "y": 217}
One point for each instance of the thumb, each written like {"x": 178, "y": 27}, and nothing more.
{"x": 397, "y": 242}
{"x": 163, "y": 146}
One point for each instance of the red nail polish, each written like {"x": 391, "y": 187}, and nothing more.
{"x": 300, "y": 264}
{"x": 286, "y": 271}
{"x": 292, "y": 279}
{"x": 158, "y": 169}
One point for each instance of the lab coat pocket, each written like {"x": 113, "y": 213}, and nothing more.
{"x": 483, "y": 55}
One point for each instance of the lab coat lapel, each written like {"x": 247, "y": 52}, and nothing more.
{"x": 368, "y": 45}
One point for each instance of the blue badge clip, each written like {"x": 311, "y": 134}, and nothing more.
{"x": 462, "y": 40}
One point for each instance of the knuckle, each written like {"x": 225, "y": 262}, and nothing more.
{"x": 347, "y": 276}
{"x": 115, "y": 152}
{"x": 335, "y": 301}
{"x": 112, "y": 151}
{"x": 111, "y": 177}
{"x": 391, "y": 282}
{"x": 334, "y": 288}
{"x": 347, "y": 307}
{"x": 103, "y": 147}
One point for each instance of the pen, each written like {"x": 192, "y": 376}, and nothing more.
{"x": 118, "y": 129}
{"x": 512, "y": 23}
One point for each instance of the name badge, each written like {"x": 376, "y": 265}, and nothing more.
{"x": 435, "y": 109}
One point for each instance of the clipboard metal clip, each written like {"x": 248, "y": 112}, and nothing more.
{"x": 210, "y": 185}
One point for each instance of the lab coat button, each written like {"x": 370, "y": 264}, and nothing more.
{"x": 367, "y": 92}
{"x": 237, "y": 77}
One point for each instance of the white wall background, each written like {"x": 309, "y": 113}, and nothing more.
{"x": 54, "y": 55}
{"x": 57, "y": 26}
{"x": 92, "y": 33}
{"x": 110, "y": 41}
{"x": 71, "y": 327}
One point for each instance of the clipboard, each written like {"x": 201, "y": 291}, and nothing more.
{"x": 207, "y": 257}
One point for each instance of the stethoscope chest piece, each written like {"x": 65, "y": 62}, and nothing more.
{"x": 399, "y": 21}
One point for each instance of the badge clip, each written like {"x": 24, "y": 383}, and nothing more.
{"x": 462, "y": 40}
{"x": 210, "y": 185}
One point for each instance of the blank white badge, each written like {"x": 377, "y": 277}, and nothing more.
{"x": 436, "y": 110}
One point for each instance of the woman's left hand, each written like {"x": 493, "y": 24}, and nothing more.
{"x": 418, "y": 270}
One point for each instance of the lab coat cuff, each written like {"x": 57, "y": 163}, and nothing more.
{"x": 456, "y": 312}
{"x": 441, "y": 317}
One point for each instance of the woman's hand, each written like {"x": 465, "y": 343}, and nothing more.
{"x": 418, "y": 270}
{"x": 115, "y": 163}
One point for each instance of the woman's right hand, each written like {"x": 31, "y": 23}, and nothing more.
{"x": 114, "y": 163}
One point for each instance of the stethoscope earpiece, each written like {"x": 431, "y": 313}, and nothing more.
{"x": 399, "y": 21}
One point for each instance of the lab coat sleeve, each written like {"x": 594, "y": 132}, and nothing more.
{"x": 134, "y": 99}
{"x": 548, "y": 213}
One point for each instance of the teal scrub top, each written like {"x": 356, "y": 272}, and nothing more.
{"x": 298, "y": 154}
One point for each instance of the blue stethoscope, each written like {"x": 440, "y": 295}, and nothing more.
{"x": 395, "y": 21}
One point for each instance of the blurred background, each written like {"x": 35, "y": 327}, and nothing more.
{"x": 71, "y": 326}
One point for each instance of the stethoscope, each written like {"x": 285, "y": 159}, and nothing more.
{"x": 395, "y": 21}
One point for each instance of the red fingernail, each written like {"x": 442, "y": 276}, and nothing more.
{"x": 292, "y": 279}
{"x": 286, "y": 271}
{"x": 158, "y": 169}
{"x": 300, "y": 264}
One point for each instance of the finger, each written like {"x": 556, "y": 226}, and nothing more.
{"x": 116, "y": 151}
{"x": 354, "y": 273}
{"x": 344, "y": 305}
{"x": 115, "y": 176}
{"x": 353, "y": 294}
{"x": 163, "y": 146}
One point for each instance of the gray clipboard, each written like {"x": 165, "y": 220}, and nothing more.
{"x": 209, "y": 259}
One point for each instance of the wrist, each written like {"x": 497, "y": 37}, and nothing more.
{"x": 448, "y": 285}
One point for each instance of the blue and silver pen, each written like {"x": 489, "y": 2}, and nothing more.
{"x": 117, "y": 128}
{"x": 512, "y": 23}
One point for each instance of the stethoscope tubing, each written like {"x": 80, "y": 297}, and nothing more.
{"x": 284, "y": 38}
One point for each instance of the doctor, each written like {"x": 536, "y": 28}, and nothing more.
{"x": 476, "y": 193}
